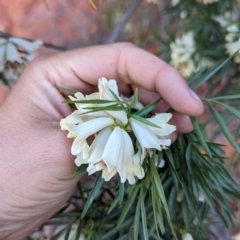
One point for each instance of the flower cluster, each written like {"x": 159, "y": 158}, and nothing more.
{"x": 232, "y": 37}
{"x": 181, "y": 54}
{"x": 176, "y": 2}
{"x": 107, "y": 116}
{"x": 16, "y": 50}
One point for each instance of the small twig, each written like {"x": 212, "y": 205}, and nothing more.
{"x": 47, "y": 45}
{"x": 114, "y": 36}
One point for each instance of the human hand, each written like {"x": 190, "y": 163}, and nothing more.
{"x": 36, "y": 166}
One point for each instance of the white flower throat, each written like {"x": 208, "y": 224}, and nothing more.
{"x": 108, "y": 117}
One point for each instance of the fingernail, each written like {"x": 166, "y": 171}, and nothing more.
{"x": 194, "y": 95}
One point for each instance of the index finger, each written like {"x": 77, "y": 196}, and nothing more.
{"x": 131, "y": 65}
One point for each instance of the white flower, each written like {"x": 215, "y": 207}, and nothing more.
{"x": 112, "y": 149}
{"x": 187, "y": 236}
{"x": 104, "y": 85}
{"x": 72, "y": 235}
{"x": 201, "y": 197}
{"x": 233, "y": 47}
{"x": 112, "y": 152}
{"x": 9, "y": 50}
{"x": 12, "y": 54}
{"x": 153, "y": 137}
{"x": 28, "y": 46}
{"x": 207, "y": 1}
{"x": 181, "y": 54}
{"x": 175, "y": 2}
{"x": 86, "y": 129}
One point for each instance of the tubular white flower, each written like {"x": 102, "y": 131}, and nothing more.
{"x": 161, "y": 121}
{"x": 96, "y": 150}
{"x": 80, "y": 146}
{"x": 146, "y": 137}
{"x": 104, "y": 85}
{"x": 29, "y": 46}
{"x": 130, "y": 167}
{"x": 181, "y": 54}
{"x": 12, "y": 54}
{"x": 113, "y": 152}
{"x": 70, "y": 121}
{"x": 90, "y": 127}
{"x": 140, "y": 155}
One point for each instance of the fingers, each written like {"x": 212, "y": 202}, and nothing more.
{"x": 182, "y": 122}
{"x": 131, "y": 65}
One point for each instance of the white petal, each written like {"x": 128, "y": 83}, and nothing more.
{"x": 2, "y": 57}
{"x": 131, "y": 169}
{"x": 104, "y": 85}
{"x": 113, "y": 151}
{"x": 108, "y": 175}
{"x": 79, "y": 146}
{"x": 29, "y": 46}
{"x": 12, "y": 54}
{"x": 161, "y": 121}
{"x": 139, "y": 156}
{"x": 121, "y": 116}
{"x": 98, "y": 145}
{"x": 90, "y": 127}
{"x": 70, "y": 121}
{"x": 144, "y": 135}
{"x": 187, "y": 236}
{"x": 3, "y": 41}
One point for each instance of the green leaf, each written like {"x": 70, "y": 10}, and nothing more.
{"x": 114, "y": 107}
{"x": 81, "y": 169}
{"x": 66, "y": 90}
{"x": 155, "y": 212}
{"x": 56, "y": 237}
{"x": 157, "y": 182}
{"x": 135, "y": 99}
{"x": 200, "y": 136}
{"x": 143, "y": 214}
{"x": 113, "y": 204}
{"x": 209, "y": 74}
{"x": 79, "y": 229}
{"x": 232, "y": 110}
{"x": 144, "y": 121}
{"x": 128, "y": 204}
{"x": 225, "y": 97}
{"x": 224, "y": 128}
{"x": 147, "y": 109}
{"x": 137, "y": 221}
{"x": 114, "y": 95}
{"x": 68, "y": 232}
{"x": 196, "y": 75}
{"x": 188, "y": 157}
{"x": 121, "y": 192}
{"x": 97, "y": 186}
{"x": 4, "y": 79}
